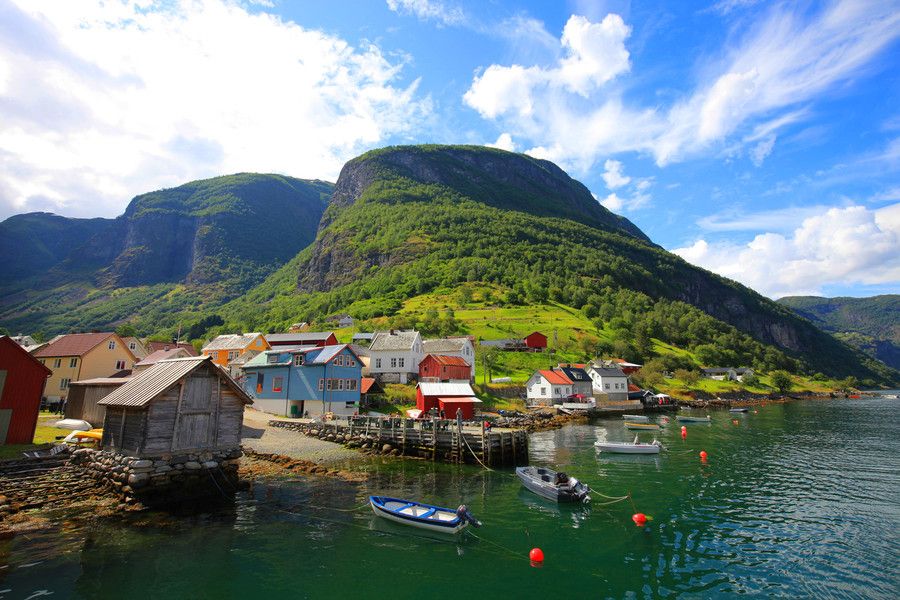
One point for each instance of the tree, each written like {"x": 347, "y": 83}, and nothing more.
{"x": 126, "y": 330}
{"x": 490, "y": 359}
{"x": 750, "y": 380}
{"x": 782, "y": 381}
{"x": 687, "y": 376}
{"x": 848, "y": 384}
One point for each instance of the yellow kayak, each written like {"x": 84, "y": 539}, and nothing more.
{"x": 94, "y": 435}
{"x": 650, "y": 426}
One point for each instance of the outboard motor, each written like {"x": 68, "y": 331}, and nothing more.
{"x": 463, "y": 513}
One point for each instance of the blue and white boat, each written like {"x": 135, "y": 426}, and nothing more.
{"x": 423, "y": 516}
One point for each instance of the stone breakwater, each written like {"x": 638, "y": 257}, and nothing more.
{"x": 540, "y": 421}
{"x": 161, "y": 480}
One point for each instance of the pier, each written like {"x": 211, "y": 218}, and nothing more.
{"x": 436, "y": 439}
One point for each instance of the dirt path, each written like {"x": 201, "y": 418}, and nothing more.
{"x": 269, "y": 440}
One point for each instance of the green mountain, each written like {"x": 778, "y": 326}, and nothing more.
{"x": 407, "y": 221}
{"x": 870, "y": 324}
{"x": 34, "y": 242}
{"x": 184, "y": 250}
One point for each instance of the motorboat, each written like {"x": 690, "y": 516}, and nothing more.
{"x": 423, "y": 516}
{"x": 690, "y": 419}
{"x": 553, "y": 485}
{"x": 634, "y": 447}
{"x": 636, "y": 418}
{"x": 642, "y": 426}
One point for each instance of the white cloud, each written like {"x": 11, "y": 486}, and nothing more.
{"x": 613, "y": 202}
{"x": 782, "y": 219}
{"x": 576, "y": 111}
{"x": 850, "y": 245}
{"x": 429, "y": 10}
{"x": 105, "y": 100}
{"x": 613, "y": 175}
{"x": 504, "y": 142}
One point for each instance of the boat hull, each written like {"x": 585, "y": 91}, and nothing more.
{"x": 686, "y": 419}
{"x": 636, "y": 418}
{"x": 533, "y": 480}
{"x": 627, "y": 448}
{"x": 640, "y": 426}
{"x": 738, "y": 410}
{"x": 407, "y": 512}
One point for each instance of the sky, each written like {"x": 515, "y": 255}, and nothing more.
{"x": 758, "y": 140}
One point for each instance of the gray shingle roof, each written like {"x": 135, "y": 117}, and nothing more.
{"x": 444, "y": 345}
{"x": 231, "y": 341}
{"x": 298, "y": 338}
{"x": 397, "y": 340}
{"x": 607, "y": 371}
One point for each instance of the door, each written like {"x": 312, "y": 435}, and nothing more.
{"x": 194, "y": 420}
{"x": 260, "y": 379}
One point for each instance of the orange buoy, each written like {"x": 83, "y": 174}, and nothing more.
{"x": 703, "y": 455}
{"x": 735, "y": 421}
{"x": 536, "y": 555}
{"x": 640, "y": 519}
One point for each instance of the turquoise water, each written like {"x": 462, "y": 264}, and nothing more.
{"x": 798, "y": 500}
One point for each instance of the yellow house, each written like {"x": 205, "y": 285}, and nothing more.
{"x": 226, "y": 348}
{"x": 79, "y": 356}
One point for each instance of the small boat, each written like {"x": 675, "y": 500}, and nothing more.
{"x": 689, "y": 419}
{"x": 423, "y": 516}
{"x": 74, "y": 424}
{"x": 640, "y": 426}
{"x": 637, "y": 418}
{"x": 556, "y": 486}
{"x": 634, "y": 447}
{"x": 738, "y": 410}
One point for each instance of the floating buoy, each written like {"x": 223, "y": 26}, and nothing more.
{"x": 683, "y": 432}
{"x": 536, "y": 555}
{"x": 755, "y": 412}
{"x": 703, "y": 455}
{"x": 735, "y": 421}
{"x": 640, "y": 519}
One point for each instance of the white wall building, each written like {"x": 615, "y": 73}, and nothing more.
{"x": 394, "y": 356}
{"x": 609, "y": 380}
{"x": 548, "y": 387}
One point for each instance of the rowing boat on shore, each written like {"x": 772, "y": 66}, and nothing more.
{"x": 641, "y": 426}
{"x": 423, "y": 516}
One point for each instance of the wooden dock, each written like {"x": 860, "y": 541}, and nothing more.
{"x": 437, "y": 439}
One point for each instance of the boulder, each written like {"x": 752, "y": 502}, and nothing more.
{"x": 163, "y": 468}
{"x": 386, "y": 448}
{"x": 192, "y": 465}
{"x": 210, "y": 464}
{"x": 141, "y": 464}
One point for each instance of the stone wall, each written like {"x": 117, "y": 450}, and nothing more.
{"x": 162, "y": 480}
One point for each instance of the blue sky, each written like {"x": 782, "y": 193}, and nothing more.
{"x": 758, "y": 140}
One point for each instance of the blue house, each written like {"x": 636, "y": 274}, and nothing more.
{"x": 305, "y": 381}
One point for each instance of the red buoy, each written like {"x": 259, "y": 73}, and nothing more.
{"x": 683, "y": 432}
{"x": 640, "y": 519}
{"x": 536, "y": 555}
{"x": 703, "y": 455}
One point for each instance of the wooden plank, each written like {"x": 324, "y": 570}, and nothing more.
{"x": 177, "y": 415}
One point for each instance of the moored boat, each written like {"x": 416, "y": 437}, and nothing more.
{"x": 634, "y": 447}
{"x": 738, "y": 410}
{"x": 423, "y": 516}
{"x": 553, "y": 485}
{"x": 692, "y": 419}
{"x": 636, "y": 418}
{"x": 641, "y": 426}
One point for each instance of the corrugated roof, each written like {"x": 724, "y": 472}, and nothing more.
{"x": 468, "y": 399}
{"x": 299, "y": 338}
{"x": 449, "y": 361}
{"x": 445, "y": 389}
{"x": 158, "y": 355}
{"x": 143, "y": 388}
{"x": 393, "y": 340}
{"x": 555, "y": 377}
{"x": 608, "y": 371}
{"x": 73, "y": 344}
{"x": 102, "y": 381}
{"x": 574, "y": 373}
{"x": 444, "y": 345}
{"x": 232, "y": 341}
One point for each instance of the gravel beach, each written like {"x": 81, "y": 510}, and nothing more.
{"x": 262, "y": 438}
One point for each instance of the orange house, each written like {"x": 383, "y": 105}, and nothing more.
{"x": 226, "y": 348}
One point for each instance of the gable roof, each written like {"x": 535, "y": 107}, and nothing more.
{"x": 143, "y": 388}
{"x": 445, "y": 388}
{"x": 326, "y": 353}
{"x": 303, "y": 338}
{"x": 444, "y": 345}
{"x": 393, "y": 340}
{"x": 14, "y": 347}
{"x": 158, "y": 355}
{"x": 555, "y": 377}
{"x": 575, "y": 374}
{"x": 370, "y": 385}
{"x": 232, "y": 341}
{"x": 449, "y": 361}
{"x": 154, "y": 346}
{"x": 608, "y": 371}
{"x": 74, "y": 344}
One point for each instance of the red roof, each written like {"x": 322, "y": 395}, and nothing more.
{"x": 73, "y": 344}
{"x": 16, "y": 348}
{"x": 366, "y": 384}
{"x": 555, "y": 377}
{"x": 449, "y": 361}
{"x": 633, "y": 388}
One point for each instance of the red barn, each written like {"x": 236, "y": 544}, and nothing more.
{"x": 22, "y": 379}
{"x": 536, "y": 341}
{"x": 447, "y": 397}
{"x": 444, "y": 368}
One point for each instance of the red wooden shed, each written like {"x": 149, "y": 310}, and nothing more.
{"x": 22, "y": 379}
{"x": 447, "y": 397}
{"x": 536, "y": 341}
{"x": 444, "y": 368}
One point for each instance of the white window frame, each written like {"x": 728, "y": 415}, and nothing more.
{"x": 57, "y": 363}
{"x": 377, "y": 363}
{"x": 73, "y": 362}
{"x": 393, "y": 362}
{"x": 64, "y": 383}
{"x": 280, "y": 380}
{"x": 298, "y": 360}
{"x": 340, "y": 385}
{"x": 400, "y": 362}
{"x": 111, "y": 345}
{"x": 321, "y": 384}
{"x": 272, "y": 359}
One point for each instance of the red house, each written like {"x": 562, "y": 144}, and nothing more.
{"x": 536, "y": 341}
{"x": 444, "y": 368}
{"x": 447, "y": 397}
{"x": 22, "y": 379}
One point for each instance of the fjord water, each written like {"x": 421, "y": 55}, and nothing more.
{"x": 799, "y": 500}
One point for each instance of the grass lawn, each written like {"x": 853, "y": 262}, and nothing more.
{"x": 44, "y": 433}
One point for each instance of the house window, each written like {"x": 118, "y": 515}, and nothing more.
{"x": 340, "y": 384}
{"x": 64, "y": 383}
{"x": 112, "y": 344}
{"x": 132, "y": 346}
{"x": 401, "y": 362}
{"x": 321, "y": 384}
{"x": 73, "y": 362}
{"x": 339, "y": 361}
{"x": 298, "y": 361}
{"x": 57, "y": 363}
{"x": 606, "y": 386}
{"x": 120, "y": 364}
{"x": 272, "y": 359}
{"x": 543, "y": 391}
{"x": 277, "y": 382}
{"x": 329, "y": 384}
{"x": 351, "y": 385}
{"x": 377, "y": 363}
{"x": 393, "y": 363}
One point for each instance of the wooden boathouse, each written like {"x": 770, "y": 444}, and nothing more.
{"x": 437, "y": 439}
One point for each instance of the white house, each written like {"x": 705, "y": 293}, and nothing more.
{"x": 609, "y": 380}
{"x": 454, "y": 346}
{"x": 394, "y": 356}
{"x": 727, "y": 374}
{"x": 548, "y": 387}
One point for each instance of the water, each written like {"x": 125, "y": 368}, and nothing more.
{"x": 799, "y": 500}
